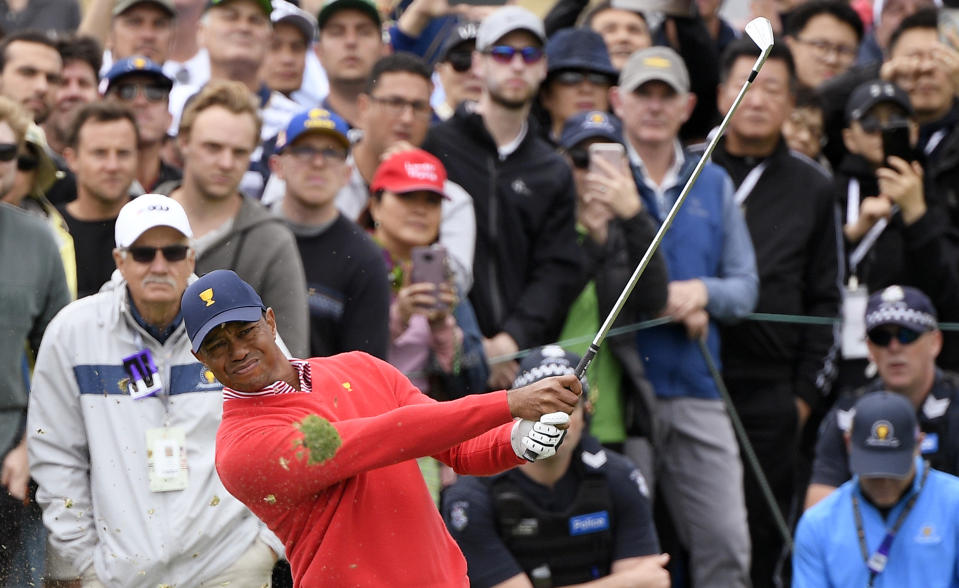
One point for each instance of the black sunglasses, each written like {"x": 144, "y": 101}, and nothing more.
{"x": 148, "y": 254}
{"x": 460, "y": 61}
{"x": 883, "y": 336}
{"x": 8, "y": 151}
{"x": 574, "y": 78}
{"x": 153, "y": 92}
{"x": 579, "y": 156}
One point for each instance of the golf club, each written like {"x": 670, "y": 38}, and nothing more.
{"x": 760, "y": 31}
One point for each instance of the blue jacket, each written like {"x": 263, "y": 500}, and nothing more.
{"x": 924, "y": 551}
{"x": 708, "y": 240}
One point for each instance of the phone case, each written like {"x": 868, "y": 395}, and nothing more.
{"x": 429, "y": 265}
{"x": 895, "y": 141}
{"x": 613, "y": 153}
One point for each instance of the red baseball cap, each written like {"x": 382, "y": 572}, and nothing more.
{"x": 410, "y": 171}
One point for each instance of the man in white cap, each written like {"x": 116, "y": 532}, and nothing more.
{"x": 122, "y": 421}
{"x": 526, "y": 258}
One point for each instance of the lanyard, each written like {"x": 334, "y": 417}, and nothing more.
{"x": 877, "y": 561}
{"x": 852, "y": 215}
{"x": 749, "y": 182}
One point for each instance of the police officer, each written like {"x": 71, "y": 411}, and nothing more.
{"x": 904, "y": 339}
{"x": 576, "y": 517}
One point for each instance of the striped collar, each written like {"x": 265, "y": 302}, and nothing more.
{"x": 302, "y": 367}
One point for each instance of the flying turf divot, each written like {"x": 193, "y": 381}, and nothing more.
{"x": 320, "y": 439}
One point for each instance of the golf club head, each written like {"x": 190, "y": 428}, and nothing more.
{"x": 761, "y": 32}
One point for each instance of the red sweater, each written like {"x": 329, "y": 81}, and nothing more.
{"x": 364, "y": 517}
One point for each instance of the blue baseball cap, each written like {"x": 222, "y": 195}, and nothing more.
{"x": 590, "y": 124}
{"x": 884, "y": 436}
{"x": 216, "y": 298}
{"x": 137, "y": 65}
{"x": 314, "y": 120}
{"x": 579, "y": 49}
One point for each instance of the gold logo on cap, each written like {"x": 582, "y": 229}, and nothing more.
{"x": 139, "y": 63}
{"x": 882, "y": 432}
{"x": 207, "y": 296}
{"x": 661, "y": 62}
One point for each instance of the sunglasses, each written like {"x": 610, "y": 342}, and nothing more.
{"x": 461, "y": 62}
{"x": 579, "y": 156}
{"x": 505, "y": 54}
{"x": 871, "y": 124}
{"x": 883, "y": 337}
{"x": 574, "y": 78}
{"x": 148, "y": 254}
{"x": 153, "y": 92}
{"x": 8, "y": 151}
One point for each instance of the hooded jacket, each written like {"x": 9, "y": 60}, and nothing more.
{"x": 263, "y": 252}
{"x": 88, "y": 453}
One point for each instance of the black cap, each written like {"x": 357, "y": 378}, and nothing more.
{"x": 869, "y": 94}
{"x": 464, "y": 33}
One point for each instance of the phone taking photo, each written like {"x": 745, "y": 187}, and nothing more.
{"x": 612, "y": 153}
{"x": 895, "y": 141}
{"x": 429, "y": 265}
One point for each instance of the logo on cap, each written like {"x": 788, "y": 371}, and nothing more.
{"x": 553, "y": 351}
{"x": 421, "y": 171}
{"x": 882, "y": 434}
{"x": 660, "y": 62}
{"x": 893, "y": 294}
{"x": 207, "y": 296}
{"x": 139, "y": 63}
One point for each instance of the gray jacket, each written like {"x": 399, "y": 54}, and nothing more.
{"x": 88, "y": 454}
{"x": 262, "y": 251}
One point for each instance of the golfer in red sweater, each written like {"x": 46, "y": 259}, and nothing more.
{"x": 323, "y": 450}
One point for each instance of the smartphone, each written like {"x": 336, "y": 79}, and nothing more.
{"x": 429, "y": 265}
{"x": 895, "y": 141}
{"x": 613, "y": 153}
{"x": 949, "y": 26}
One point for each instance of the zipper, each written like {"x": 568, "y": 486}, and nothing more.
{"x": 496, "y": 300}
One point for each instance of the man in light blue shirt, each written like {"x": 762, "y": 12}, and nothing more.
{"x": 895, "y": 522}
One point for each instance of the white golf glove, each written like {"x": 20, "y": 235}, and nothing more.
{"x": 535, "y": 440}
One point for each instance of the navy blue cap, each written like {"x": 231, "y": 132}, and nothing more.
{"x": 218, "y": 297}
{"x": 137, "y": 65}
{"x": 545, "y": 362}
{"x": 314, "y": 120}
{"x": 580, "y": 49}
{"x": 903, "y": 306}
{"x": 869, "y": 94}
{"x": 884, "y": 436}
{"x": 590, "y": 124}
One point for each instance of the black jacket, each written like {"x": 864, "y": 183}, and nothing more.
{"x": 923, "y": 255}
{"x": 610, "y": 266}
{"x": 791, "y": 215}
{"x": 527, "y": 263}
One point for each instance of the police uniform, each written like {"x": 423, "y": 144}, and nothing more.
{"x": 938, "y": 419}
{"x": 597, "y": 513}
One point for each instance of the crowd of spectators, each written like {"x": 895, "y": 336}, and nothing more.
{"x": 330, "y": 151}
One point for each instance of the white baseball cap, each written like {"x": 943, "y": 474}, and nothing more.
{"x": 147, "y": 211}
{"x": 506, "y": 20}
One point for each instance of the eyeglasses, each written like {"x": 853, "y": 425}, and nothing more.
{"x": 883, "y": 336}
{"x": 307, "y": 154}
{"x": 152, "y": 92}
{"x": 8, "y": 151}
{"x": 823, "y": 49}
{"x": 460, "y": 61}
{"x": 148, "y": 254}
{"x": 395, "y": 106}
{"x": 575, "y": 78}
{"x": 579, "y": 157}
{"x": 871, "y": 124}
{"x": 505, "y": 54}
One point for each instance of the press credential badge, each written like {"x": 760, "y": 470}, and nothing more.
{"x": 166, "y": 459}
